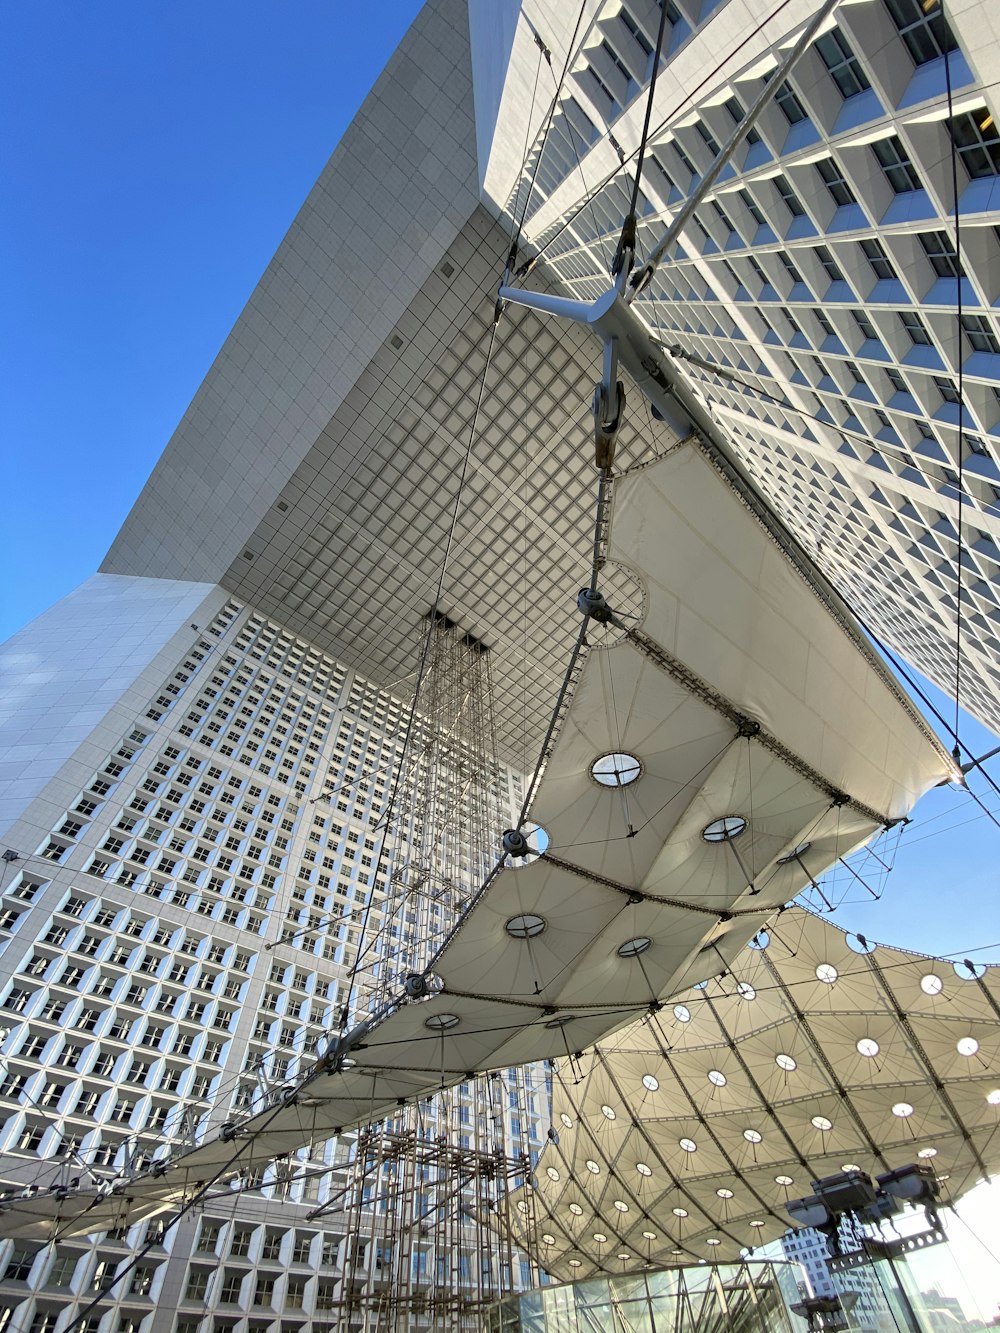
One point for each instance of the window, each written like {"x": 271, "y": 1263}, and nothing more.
{"x": 788, "y": 195}
{"x": 979, "y": 332}
{"x": 842, "y": 63}
{"x": 752, "y": 208}
{"x": 896, "y": 165}
{"x": 923, "y": 28}
{"x": 833, "y": 179}
{"x": 875, "y": 253}
{"x": 941, "y": 252}
{"x": 19, "y": 1263}
{"x": 896, "y": 380}
{"x": 197, "y": 1284}
{"x": 975, "y": 135}
{"x": 735, "y": 108}
{"x": 914, "y": 326}
{"x": 232, "y": 1280}
{"x": 829, "y": 264}
{"x": 790, "y": 105}
{"x": 946, "y": 388}
{"x": 865, "y": 325}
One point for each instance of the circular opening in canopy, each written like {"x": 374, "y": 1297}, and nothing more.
{"x": 548, "y": 1239}
{"x": 713, "y": 1240}
{"x": 756, "y": 1222}
{"x": 566, "y": 1119}
{"x": 868, "y": 1047}
{"x": 600, "y": 1237}
{"x": 616, "y": 769}
{"x": 927, "y": 1153}
{"x": 552, "y": 1173}
{"x": 822, "y": 1123}
{"x": 682, "y": 1013}
{"x": 561, "y": 1021}
{"x": 967, "y": 1046}
{"x": 745, "y": 991}
{"x": 799, "y": 851}
{"x": 724, "y": 1193}
{"x": 785, "y": 1062}
{"x": 650, "y": 1082}
{"x": 679, "y": 1212}
{"x": 783, "y": 1180}
{"x": 643, "y": 1169}
{"x": 688, "y": 1145}
{"x": 850, "y": 1166}
{"x": 621, "y": 1205}
{"x": 537, "y": 840}
{"x": 525, "y": 927}
{"x": 753, "y": 1136}
{"x": 760, "y": 941}
{"x": 994, "y": 1097}
{"x": 442, "y": 1022}
{"x": 859, "y": 944}
{"x": 609, "y": 1112}
{"x": 717, "y": 1078}
{"x": 634, "y": 947}
{"x": 575, "y": 1263}
{"x": 902, "y": 1109}
{"x": 576, "y": 1210}
{"x": 931, "y": 984}
{"x": 725, "y": 829}
{"x": 827, "y": 973}
{"x": 649, "y": 1235}
{"x": 967, "y": 971}
{"x": 592, "y": 1167}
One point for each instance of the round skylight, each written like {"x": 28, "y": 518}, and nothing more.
{"x": 682, "y": 1013}
{"x": 688, "y": 1145}
{"x": 576, "y": 1210}
{"x": 745, "y": 991}
{"x": 548, "y": 1239}
{"x": 600, "y": 1237}
{"x": 967, "y": 971}
{"x": 724, "y": 1193}
{"x": 785, "y": 1062}
{"x": 827, "y": 973}
{"x": 621, "y": 1205}
{"x": 609, "y": 1112}
{"x": 616, "y": 769}
{"x": 649, "y": 1235}
{"x": 525, "y": 927}
{"x": 753, "y": 1136}
{"x": 442, "y": 1022}
{"x": 850, "y": 1166}
{"x": 994, "y": 1097}
{"x": 967, "y": 1046}
{"x": 713, "y": 1240}
{"x": 902, "y": 1109}
{"x": 822, "y": 1123}
{"x": 561, "y": 1021}
{"x": 868, "y": 1047}
{"x": 624, "y": 1256}
{"x": 552, "y": 1173}
{"x": 634, "y": 947}
{"x": 717, "y": 1078}
{"x": 724, "y": 829}
{"x": 931, "y": 984}
{"x": 566, "y": 1119}
{"x": 859, "y": 944}
{"x": 650, "y": 1082}
{"x": 574, "y": 1263}
{"x": 760, "y": 941}
{"x": 643, "y": 1169}
{"x": 927, "y": 1153}
{"x": 679, "y": 1212}
{"x": 756, "y": 1222}
{"x": 784, "y": 1181}
{"x": 592, "y": 1167}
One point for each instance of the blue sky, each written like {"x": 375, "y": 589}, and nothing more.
{"x": 156, "y": 154}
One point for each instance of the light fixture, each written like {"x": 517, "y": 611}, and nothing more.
{"x": 525, "y": 927}
{"x": 827, "y": 973}
{"x": 785, "y": 1062}
{"x": 442, "y": 1022}
{"x": 868, "y": 1047}
{"x": 650, "y": 1082}
{"x": 616, "y": 769}
{"x": 725, "y": 829}
{"x": 634, "y": 947}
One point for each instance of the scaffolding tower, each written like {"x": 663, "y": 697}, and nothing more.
{"x": 428, "y": 1187}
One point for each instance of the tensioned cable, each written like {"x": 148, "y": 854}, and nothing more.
{"x": 959, "y": 587}
{"x": 644, "y": 138}
{"x": 663, "y": 124}
{"x": 421, "y": 672}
